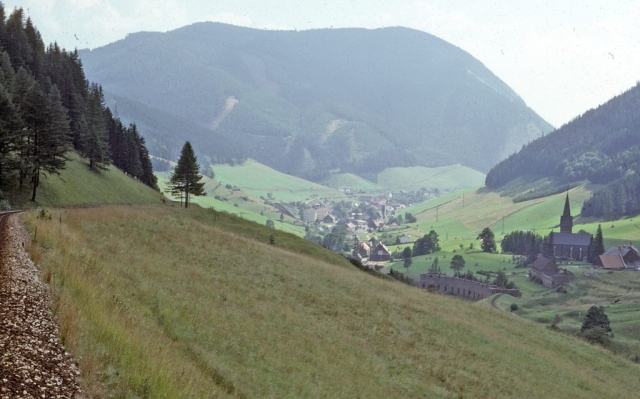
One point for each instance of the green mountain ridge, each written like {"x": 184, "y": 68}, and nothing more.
{"x": 601, "y": 147}
{"x": 311, "y": 102}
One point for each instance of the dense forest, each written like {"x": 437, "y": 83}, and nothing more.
{"x": 48, "y": 108}
{"x": 602, "y": 146}
{"x": 310, "y": 103}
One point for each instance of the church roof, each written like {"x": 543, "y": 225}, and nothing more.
{"x": 582, "y": 240}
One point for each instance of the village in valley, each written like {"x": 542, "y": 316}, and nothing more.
{"x": 372, "y": 229}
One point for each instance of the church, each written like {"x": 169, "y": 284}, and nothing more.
{"x": 566, "y": 244}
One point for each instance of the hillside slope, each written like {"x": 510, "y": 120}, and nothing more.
{"x": 313, "y": 101}
{"x": 601, "y": 146}
{"x": 202, "y": 305}
{"x": 76, "y": 185}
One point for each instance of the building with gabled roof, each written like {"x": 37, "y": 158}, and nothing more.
{"x": 548, "y": 273}
{"x": 610, "y": 262}
{"x": 566, "y": 244}
{"x": 620, "y": 257}
{"x": 380, "y": 253}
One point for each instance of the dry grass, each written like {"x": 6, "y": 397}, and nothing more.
{"x": 159, "y": 302}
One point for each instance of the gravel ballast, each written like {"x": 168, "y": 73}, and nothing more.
{"x": 33, "y": 361}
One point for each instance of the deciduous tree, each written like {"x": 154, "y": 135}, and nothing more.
{"x": 457, "y": 263}
{"x": 488, "y": 240}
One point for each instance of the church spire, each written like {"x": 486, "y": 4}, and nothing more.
{"x": 566, "y": 220}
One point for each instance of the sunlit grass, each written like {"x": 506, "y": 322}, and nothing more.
{"x": 78, "y": 186}
{"x": 162, "y": 302}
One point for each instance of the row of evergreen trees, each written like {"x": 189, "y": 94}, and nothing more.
{"x": 617, "y": 199}
{"x": 47, "y": 108}
{"x": 524, "y": 243}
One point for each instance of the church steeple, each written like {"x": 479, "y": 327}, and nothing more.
{"x": 566, "y": 220}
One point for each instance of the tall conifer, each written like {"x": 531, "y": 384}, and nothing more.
{"x": 186, "y": 176}
{"x": 597, "y": 245}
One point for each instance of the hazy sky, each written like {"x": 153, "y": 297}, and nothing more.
{"x": 562, "y": 57}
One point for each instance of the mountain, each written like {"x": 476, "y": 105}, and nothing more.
{"x": 311, "y": 102}
{"x": 602, "y": 146}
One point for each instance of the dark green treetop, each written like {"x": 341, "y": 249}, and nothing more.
{"x": 488, "y": 240}
{"x": 186, "y": 176}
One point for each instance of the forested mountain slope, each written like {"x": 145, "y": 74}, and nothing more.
{"x": 602, "y": 146}
{"x": 48, "y": 108}
{"x": 308, "y": 102}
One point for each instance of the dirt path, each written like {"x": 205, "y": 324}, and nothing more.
{"x": 33, "y": 362}
{"x": 494, "y": 299}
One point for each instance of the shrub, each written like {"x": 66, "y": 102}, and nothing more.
{"x": 5, "y": 205}
{"x": 597, "y": 335}
{"x": 513, "y": 307}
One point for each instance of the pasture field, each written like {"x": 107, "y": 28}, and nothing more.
{"x": 256, "y": 180}
{"x": 356, "y": 182}
{"x": 199, "y": 305}
{"x": 445, "y": 178}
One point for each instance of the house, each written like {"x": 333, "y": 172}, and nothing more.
{"x": 314, "y": 213}
{"x": 328, "y": 219}
{"x": 405, "y": 239}
{"x": 619, "y": 258}
{"x": 548, "y": 272}
{"x": 309, "y": 215}
{"x": 380, "y": 253}
{"x": 361, "y": 249}
{"x": 566, "y": 244}
{"x": 360, "y": 230}
{"x": 610, "y": 262}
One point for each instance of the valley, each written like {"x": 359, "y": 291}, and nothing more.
{"x": 240, "y": 212}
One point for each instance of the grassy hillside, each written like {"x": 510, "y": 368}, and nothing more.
{"x": 445, "y": 178}
{"x": 459, "y": 224}
{"x": 77, "y": 185}
{"x": 356, "y": 182}
{"x": 200, "y": 307}
{"x": 258, "y": 180}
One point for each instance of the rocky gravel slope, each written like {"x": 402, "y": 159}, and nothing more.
{"x": 33, "y": 361}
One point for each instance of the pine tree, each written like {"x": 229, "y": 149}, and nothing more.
{"x": 10, "y": 126}
{"x": 47, "y": 129}
{"x": 93, "y": 144}
{"x": 597, "y": 245}
{"x": 186, "y": 176}
{"x": 596, "y": 317}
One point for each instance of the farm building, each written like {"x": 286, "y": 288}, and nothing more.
{"x": 380, "y": 254}
{"x": 548, "y": 272}
{"x": 620, "y": 257}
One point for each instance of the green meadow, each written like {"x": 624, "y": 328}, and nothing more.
{"x": 158, "y": 301}
{"x": 256, "y": 180}
{"x": 355, "y": 182}
{"x": 445, "y": 178}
